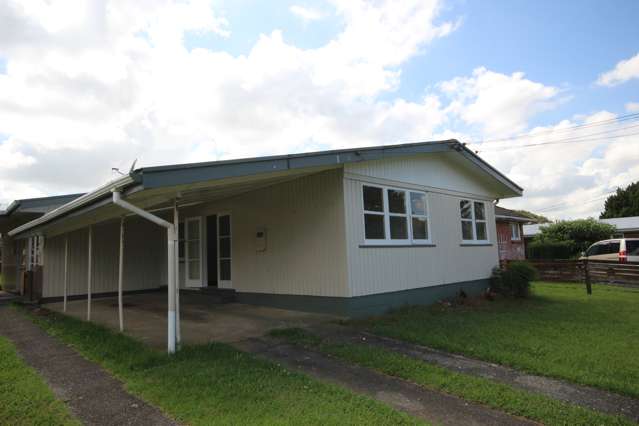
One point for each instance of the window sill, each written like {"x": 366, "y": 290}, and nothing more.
{"x": 480, "y": 244}
{"x": 395, "y": 245}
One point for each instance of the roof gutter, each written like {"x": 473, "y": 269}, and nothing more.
{"x": 101, "y": 192}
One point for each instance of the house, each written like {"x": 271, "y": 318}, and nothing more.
{"x": 627, "y": 227}
{"x": 19, "y": 212}
{"x": 351, "y": 232}
{"x": 510, "y": 241}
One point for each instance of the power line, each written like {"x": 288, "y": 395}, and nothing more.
{"x": 563, "y": 141}
{"x": 620, "y": 119}
{"x": 558, "y": 206}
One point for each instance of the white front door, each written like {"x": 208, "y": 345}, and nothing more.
{"x": 224, "y": 251}
{"x": 193, "y": 251}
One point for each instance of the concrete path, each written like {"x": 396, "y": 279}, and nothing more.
{"x": 93, "y": 395}
{"x": 584, "y": 396}
{"x": 433, "y": 406}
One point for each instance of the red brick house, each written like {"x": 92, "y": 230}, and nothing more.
{"x": 510, "y": 235}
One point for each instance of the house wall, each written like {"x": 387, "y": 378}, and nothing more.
{"x": 10, "y": 278}
{"x": 446, "y": 267}
{"x": 508, "y": 248}
{"x": 305, "y": 245}
{"x": 144, "y": 263}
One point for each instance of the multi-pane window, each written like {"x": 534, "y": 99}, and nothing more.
{"x": 515, "y": 235}
{"x": 394, "y": 215}
{"x": 473, "y": 221}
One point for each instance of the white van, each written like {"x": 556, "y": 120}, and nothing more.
{"x": 622, "y": 250}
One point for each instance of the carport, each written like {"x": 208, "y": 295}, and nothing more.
{"x": 203, "y": 318}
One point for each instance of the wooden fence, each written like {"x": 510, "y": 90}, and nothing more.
{"x": 598, "y": 272}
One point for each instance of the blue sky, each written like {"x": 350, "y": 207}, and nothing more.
{"x": 82, "y": 90}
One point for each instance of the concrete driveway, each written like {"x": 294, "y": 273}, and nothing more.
{"x": 202, "y": 321}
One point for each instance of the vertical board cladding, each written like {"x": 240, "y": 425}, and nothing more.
{"x": 510, "y": 249}
{"x": 9, "y": 263}
{"x": 373, "y": 270}
{"x": 144, "y": 263}
{"x": 305, "y": 243}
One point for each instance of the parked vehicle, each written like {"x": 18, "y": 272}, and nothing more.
{"x": 622, "y": 250}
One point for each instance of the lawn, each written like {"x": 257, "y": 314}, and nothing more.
{"x": 480, "y": 390}
{"x": 559, "y": 331}
{"x": 216, "y": 384}
{"x": 24, "y": 396}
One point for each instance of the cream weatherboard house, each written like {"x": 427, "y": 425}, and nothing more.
{"x": 353, "y": 232}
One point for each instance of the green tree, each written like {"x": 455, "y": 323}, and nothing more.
{"x": 623, "y": 203}
{"x": 581, "y": 232}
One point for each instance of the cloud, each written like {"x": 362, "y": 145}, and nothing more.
{"x": 307, "y": 14}
{"x": 499, "y": 104}
{"x": 625, "y": 70}
{"x": 632, "y": 107}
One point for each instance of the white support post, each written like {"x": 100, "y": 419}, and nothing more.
{"x": 171, "y": 263}
{"x": 89, "y": 272}
{"x": 176, "y": 226}
{"x": 171, "y": 332}
{"x": 121, "y": 276}
{"x": 66, "y": 272}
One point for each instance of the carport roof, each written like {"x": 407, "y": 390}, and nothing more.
{"x": 153, "y": 179}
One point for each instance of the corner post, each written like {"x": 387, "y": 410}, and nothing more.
{"x": 89, "y": 272}
{"x": 66, "y": 272}
{"x": 121, "y": 276}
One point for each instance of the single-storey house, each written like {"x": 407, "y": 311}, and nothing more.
{"x": 19, "y": 212}
{"x": 510, "y": 240}
{"x": 352, "y": 232}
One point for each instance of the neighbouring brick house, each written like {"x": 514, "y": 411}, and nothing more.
{"x": 510, "y": 236}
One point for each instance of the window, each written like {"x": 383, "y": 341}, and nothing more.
{"x": 394, "y": 216}
{"x": 514, "y": 232}
{"x": 473, "y": 221}
{"x": 632, "y": 247}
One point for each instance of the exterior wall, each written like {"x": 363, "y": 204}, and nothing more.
{"x": 375, "y": 270}
{"x": 305, "y": 244}
{"x": 144, "y": 261}
{"x": 510, "y": 249}
{"x": 10, "y": 261}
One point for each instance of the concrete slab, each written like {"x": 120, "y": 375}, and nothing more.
{"x": 202, "y": 321}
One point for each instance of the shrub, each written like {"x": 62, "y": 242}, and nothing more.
{"x": 513, "y": 280}
{"x": 550, "y": 249}
{"x": 581, "y": 232}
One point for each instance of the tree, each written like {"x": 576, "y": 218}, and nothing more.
{"x": 582, "y": 232}
{"x": 533, "y": 216}
{"x": 623, "y": 203}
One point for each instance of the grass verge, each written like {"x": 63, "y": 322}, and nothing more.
{"x": 559, "y": 331}
{"x": 24, "y": 396}
{"x": 216, "y": 384}
{"x": 496, "y": 395}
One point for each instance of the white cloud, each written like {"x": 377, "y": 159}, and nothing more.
{"x": 632, "y": 107}
{"x": 624, "y": 70}
{"x": 306, "y": 13}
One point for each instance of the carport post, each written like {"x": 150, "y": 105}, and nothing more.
{"x": 66, "y": 271}
{"x": 171, "y": 252}
{"x": 89, "y": 272}
{"x": 120, "y": 275}
{"x": 176, "y": 226}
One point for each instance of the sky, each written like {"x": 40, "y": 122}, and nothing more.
{"x": 86, "y": 86}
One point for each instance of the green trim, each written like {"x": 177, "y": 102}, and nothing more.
{"x": 363, "y": 306}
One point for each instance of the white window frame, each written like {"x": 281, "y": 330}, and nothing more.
{"x": 473, "y": 221}
{"x": 197, "y": 282}
{"x": 387, "y": 241}
{"x": 513, "y": 226}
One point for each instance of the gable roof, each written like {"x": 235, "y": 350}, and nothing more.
{"x": 153, "y": 179}
{"x": 507, "y": 214}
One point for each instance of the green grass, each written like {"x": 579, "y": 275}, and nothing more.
{"x": 559, "y": 332}
{"x": 497, "y": 395}
{"x": 24, "y": 396}
{"x": 216, "y": 384}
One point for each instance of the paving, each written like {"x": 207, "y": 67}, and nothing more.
{"x": 430, "y": 405}
{"x": 584, "y": 396}
{"x": 203, "y": 321}
{"x": 93, "y": 395}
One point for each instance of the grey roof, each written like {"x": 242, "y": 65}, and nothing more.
{"x": 185, "y": 174}
{"x": 38, "y": 205}
{"x": 623, "y": 224}
{"x": 502, "y": 213}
